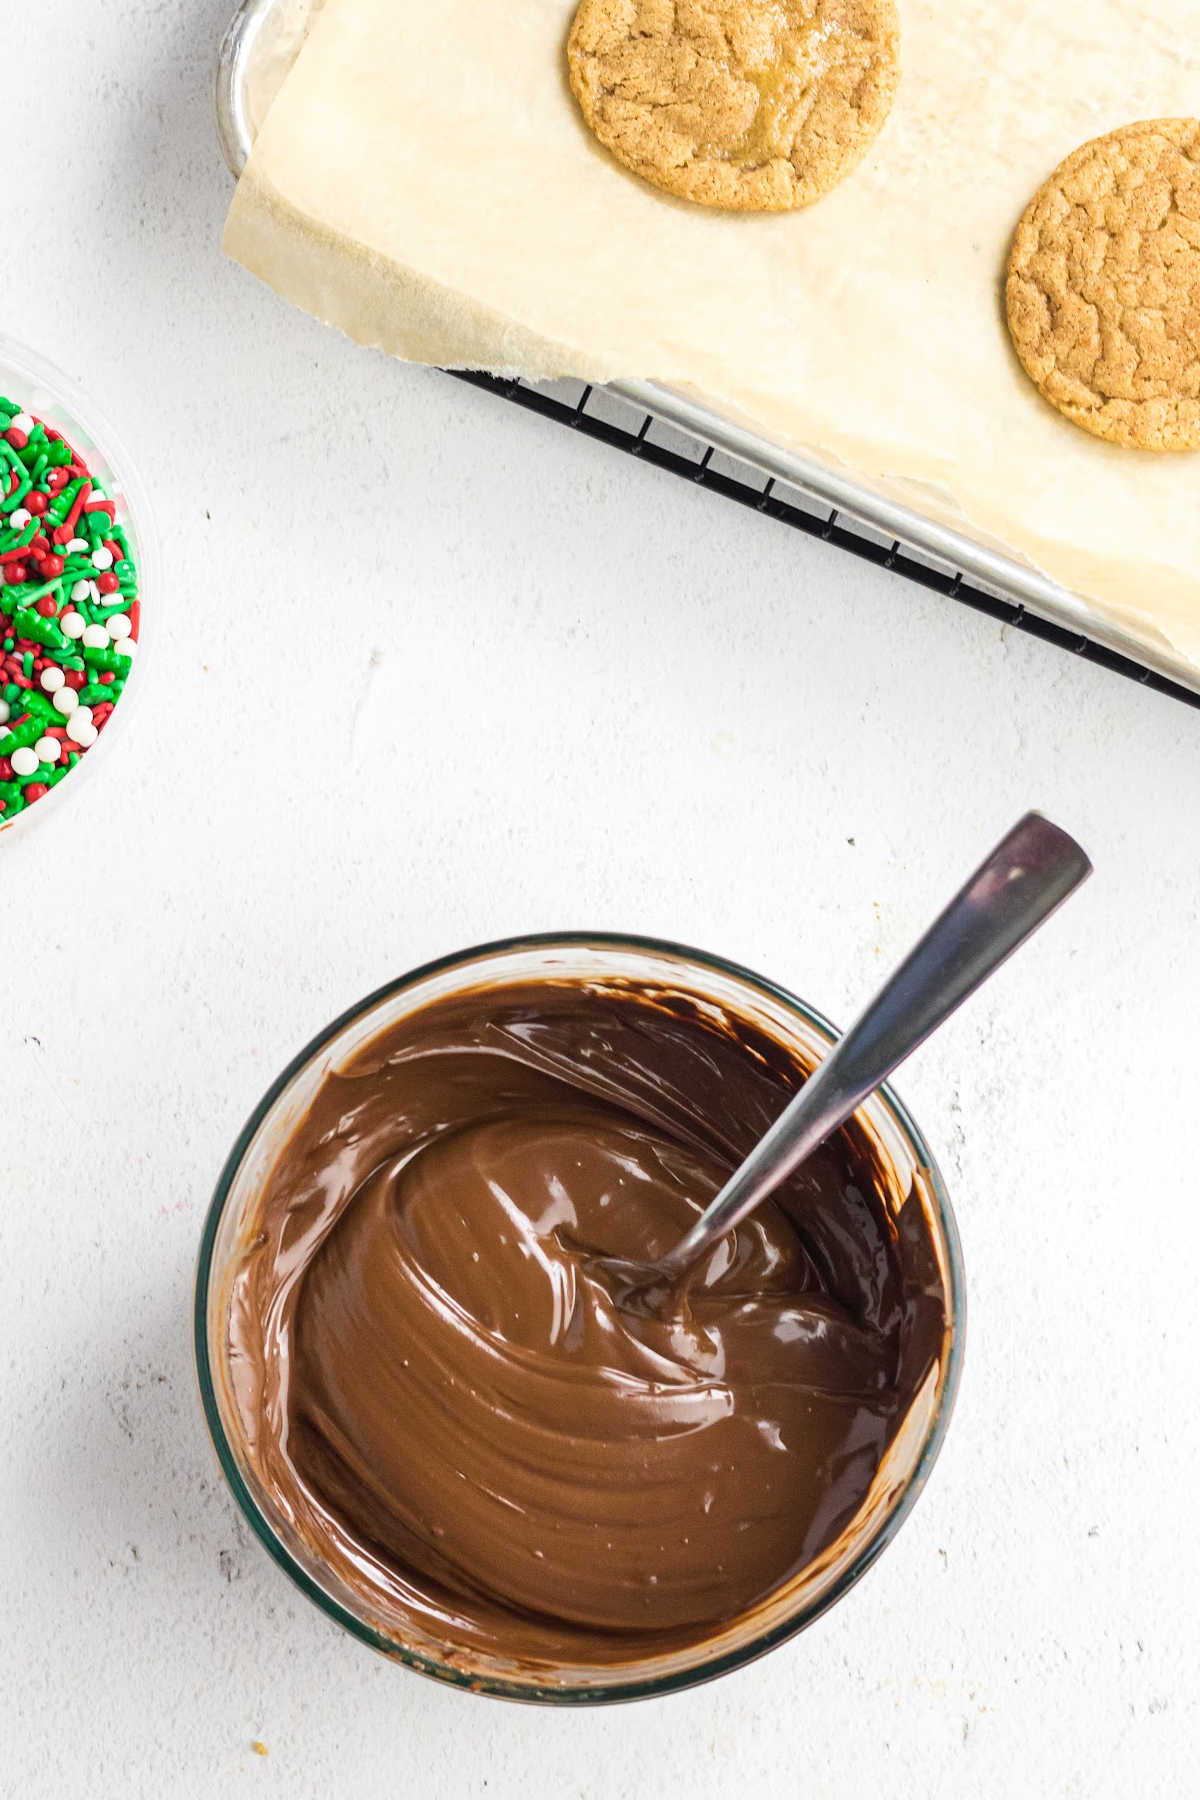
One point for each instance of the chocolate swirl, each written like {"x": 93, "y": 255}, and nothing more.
{"x": 458, "y": 1413}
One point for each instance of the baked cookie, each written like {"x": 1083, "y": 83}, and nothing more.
{"x": 752, "y": 105}
{"x": 1103, "y": 288}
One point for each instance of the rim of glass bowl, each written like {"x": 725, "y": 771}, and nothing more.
{"x": 92, "y": 425}
{"x": 621, "y": 1687}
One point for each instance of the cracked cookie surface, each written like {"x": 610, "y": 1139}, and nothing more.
{"x": 1103, "y": 286}
{"x": 748, "y": 105}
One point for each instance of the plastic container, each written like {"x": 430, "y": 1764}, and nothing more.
{"x": 590, "y": 959}
{"x": 35, "y": 384}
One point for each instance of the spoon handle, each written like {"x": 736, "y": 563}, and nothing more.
{"x": 1028, "y": 875}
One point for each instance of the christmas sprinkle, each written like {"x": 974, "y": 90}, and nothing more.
{"x": 69, "y": 610}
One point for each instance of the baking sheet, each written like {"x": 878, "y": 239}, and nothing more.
{"x": 423, "y": 181}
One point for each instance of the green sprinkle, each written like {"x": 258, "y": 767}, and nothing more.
{"x": 17, "y": 540}
{"x": 42, "y": 631}
{"x": 25, "y": 734}
{"x": 107, "y": 659}
{"x": 53, "y": 587}
{"x": 61, "y": 505}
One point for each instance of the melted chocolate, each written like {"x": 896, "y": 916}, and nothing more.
{"x": 441, "y": 1391}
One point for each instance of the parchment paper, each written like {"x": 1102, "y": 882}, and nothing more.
{"x": 423, "y": 180}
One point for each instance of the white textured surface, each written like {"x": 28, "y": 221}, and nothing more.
{"x": 437, "y": 672}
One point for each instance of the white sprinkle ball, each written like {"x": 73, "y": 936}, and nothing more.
{"x": 126, "y": 647}
{"x": 77, "y": 544}
{"x": 95, "y": 637}
{"x": 102, "y": 558}
{"x": 4, "y": 711}
{"x": 81, "y": 590}
{"x": 47, "y": 749}
{"x": 83, "y": 735}
{"x": 81, "y": 716}
{"x": 66, "y": 700}
{"x": 118, "y": 626}
{"x": 19, "y": 518}
{"x": 72, "y": 624}
{"x": 22, "y": 421}
{"x": 52, "y": 679}
{"x": 24, "y": 761}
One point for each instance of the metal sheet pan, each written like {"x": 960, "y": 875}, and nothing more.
{"x": 263, "y": 34}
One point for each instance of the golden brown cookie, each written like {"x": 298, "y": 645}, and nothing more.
{"x": 1103, "y": 289}
{"x": 752, "y": 105}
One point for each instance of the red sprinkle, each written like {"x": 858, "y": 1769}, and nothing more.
{"x": 77, "y": 505}
{"x": 14, "y": 572}
{"x": 47, "y": 607}
{"x": 36, "y": 502}
{"x": 35, "y": 789}
{"x": 108, "y": 583}
{"x": 52, "y": 567}
{"x": 16, "y": 438}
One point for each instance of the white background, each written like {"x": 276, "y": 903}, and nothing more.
{"x": 434, "y": 672}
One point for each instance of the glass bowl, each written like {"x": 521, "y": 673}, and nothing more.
{"x": 53, "y": 397}
{"x": 589, "y": 958}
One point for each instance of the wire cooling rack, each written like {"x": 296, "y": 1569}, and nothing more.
{"x": 598, "y": 413}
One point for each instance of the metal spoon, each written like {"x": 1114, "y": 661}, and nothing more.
{"x": 1026, "y": 877}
